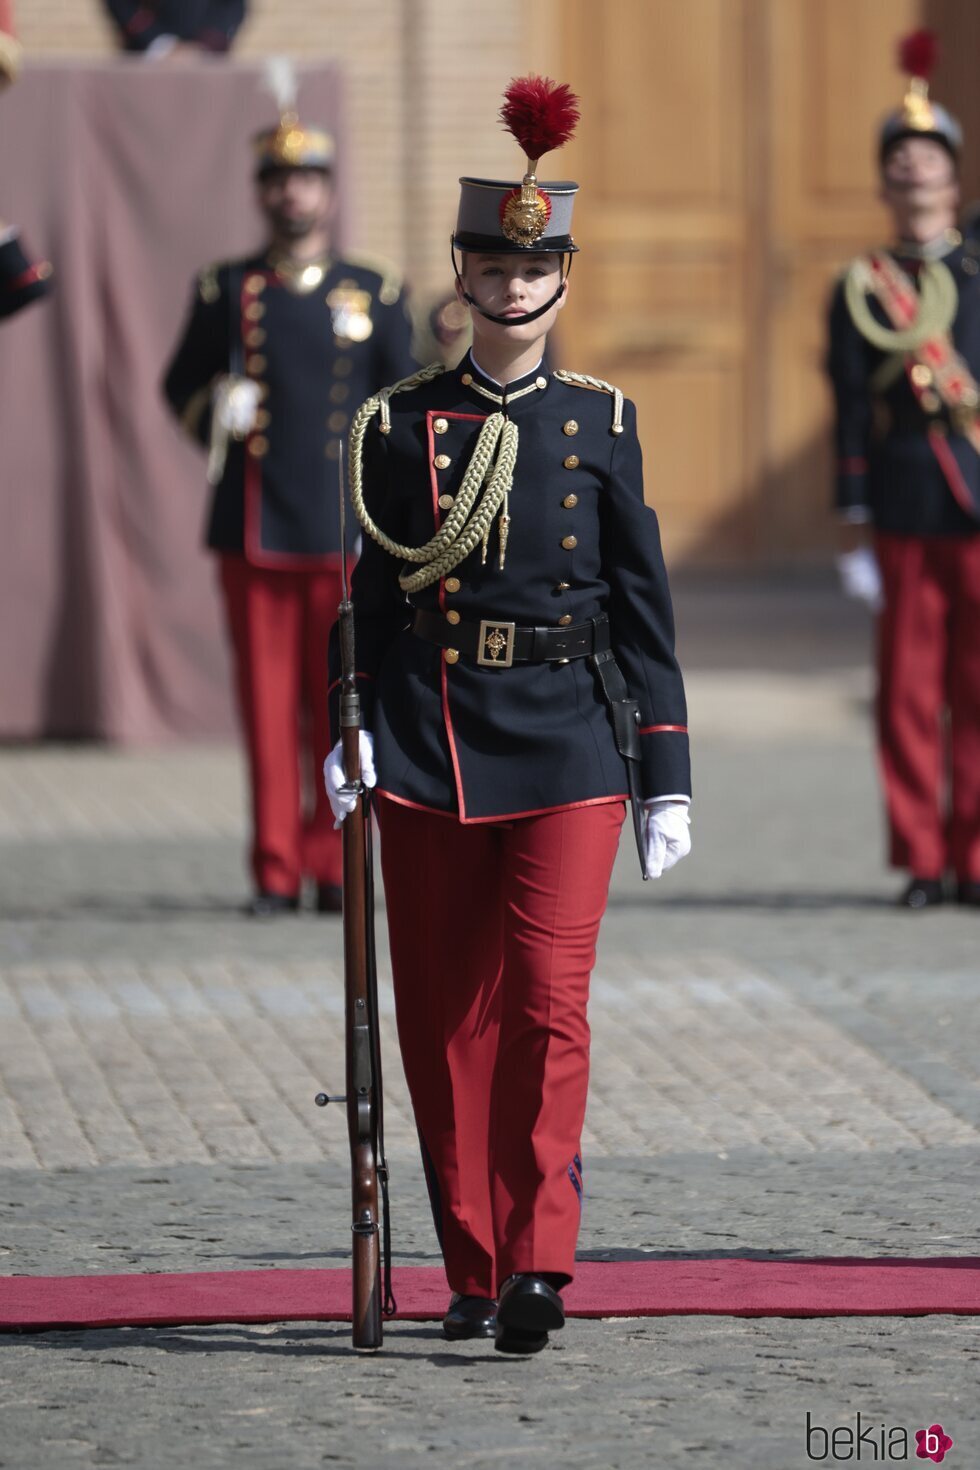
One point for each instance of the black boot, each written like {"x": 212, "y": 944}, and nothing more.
{"x": 271, "y": 905}
{"x": 468, "y": 1317}
{"x": 968, "y": 893}
{"x": 527, "y": 1311}
{"x": 922, "y": 893}
{"x": 329, "y": 898}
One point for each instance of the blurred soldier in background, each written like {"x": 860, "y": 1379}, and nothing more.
{"x": 157, "y": 27}
{"x": 904, "y": 359}
{"x": 21, "y": 280}
{"x": 278, "y": 351}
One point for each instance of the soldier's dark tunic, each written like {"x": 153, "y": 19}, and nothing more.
{"x": 904, "y": 465}
{"x": 484, "y": 743}
{"x": 211, "y": 24}
{"x": 274, "y": 520}
{"x": 316, "y": 355}
{"x": 503, "y": 795}
{"x": 22, "y": 280}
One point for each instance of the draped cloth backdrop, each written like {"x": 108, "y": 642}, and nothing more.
{"x": 128, "y": 177}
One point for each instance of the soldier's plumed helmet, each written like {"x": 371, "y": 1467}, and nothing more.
{"x": 493, "y": 219}
{"x": 291, "y": 144}
{"x": 919, "y": 116}
{"x": 522, "y": 216}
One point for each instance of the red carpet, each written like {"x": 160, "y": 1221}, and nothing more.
{"x": 831, "y": 1287}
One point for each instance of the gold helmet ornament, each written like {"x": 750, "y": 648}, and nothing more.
{"x": 919, "y": 116}
{"x": 291, "y": 144}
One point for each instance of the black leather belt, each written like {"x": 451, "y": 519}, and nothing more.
{"x": 497, "y": 645}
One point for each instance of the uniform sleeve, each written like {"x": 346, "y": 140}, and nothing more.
{"x": 394, "y": 359}
{"x": 21, "y": 280}
{"x": 641, "y": 619}
{"x": 380, "y": 608}
{"x": 849, "y": 366}
{"x": 201, "y": 356}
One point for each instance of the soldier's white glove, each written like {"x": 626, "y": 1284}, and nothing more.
{"x": 666, "y": 833}
{"x": 860, "y": 577}
{"x": 236, "y": 403}
{"x": 342, "y": 803}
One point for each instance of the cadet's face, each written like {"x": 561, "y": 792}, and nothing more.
{"x": 511, "y": 285}
{"x": 919, "y": 174}
{"x": 295, "y": 200}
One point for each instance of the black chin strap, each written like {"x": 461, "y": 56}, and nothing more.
{"x": 512, "y": 321}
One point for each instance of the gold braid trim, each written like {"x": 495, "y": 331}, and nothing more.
{"x": 584, "y": 380}
{"x": 490, "y": 470}
{"x": 938, "y": 301}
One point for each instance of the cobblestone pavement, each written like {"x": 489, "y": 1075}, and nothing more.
{"x": 782, "y": 1064}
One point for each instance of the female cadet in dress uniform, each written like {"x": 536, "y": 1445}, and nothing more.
{"x": 508, "y": 549}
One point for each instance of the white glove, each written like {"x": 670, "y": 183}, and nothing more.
{"x": 342, "y": 803}
{"x": 666, "y": 833}
{"x": 860, "y": 577}
{"x": 236, "y": 403}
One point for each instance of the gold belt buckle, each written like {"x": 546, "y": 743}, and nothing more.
{"x": 496, "y": 650}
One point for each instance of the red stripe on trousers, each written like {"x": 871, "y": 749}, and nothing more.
{"x": 929, "y": 664}
{"x": 493, "y": 932}
{"x": 279, "y": 623}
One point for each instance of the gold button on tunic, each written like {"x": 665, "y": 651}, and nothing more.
{"x": 439, "y": 426}
{"x": 452, "y": 655}
{"x": 442, "y": 461}
{"x": 570, "y": 428}
{"x": 571, "y": 462}
{"x": 446, "y": 502}
{"x": 452, "y": 617}
{"x": 570, "y": 502}
{"x": 452, "y": 584}
{"x": 564, "y": 620}
{"x": 569, "y": 542}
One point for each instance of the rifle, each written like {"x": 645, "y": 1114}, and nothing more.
{"x": 364, "y": 1094}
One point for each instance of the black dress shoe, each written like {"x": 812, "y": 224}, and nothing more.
{"x": 968, "y": 892}
{"x": 922, "y": 893}
{"x": 271, "y": 905}
{"x": 468, "y": 1317}
{"x": 329, "y": 898}
{"x": 527, "y": 1311}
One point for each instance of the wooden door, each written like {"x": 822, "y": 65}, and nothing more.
{"x": 662, "y": 294}
{"x": 728, "y": 166}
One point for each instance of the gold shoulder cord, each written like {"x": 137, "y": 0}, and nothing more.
{"x": 584, "y": 380}
{"x": 938, "y": 301}
{"x": 490, "y": 470}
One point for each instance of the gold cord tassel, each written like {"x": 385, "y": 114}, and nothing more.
{"x": 504, "y": 532}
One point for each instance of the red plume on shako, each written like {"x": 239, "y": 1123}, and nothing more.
{"x": 541, "y": 114}
{"x": 919, "y": 116}
{"x": 918, "y": 53}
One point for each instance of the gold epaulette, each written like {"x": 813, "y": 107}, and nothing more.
{"x": 598, "y": 385}
{"x": 391, "y": 277}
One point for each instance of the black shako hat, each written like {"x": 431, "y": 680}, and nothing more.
{"x": 524, "y": 217}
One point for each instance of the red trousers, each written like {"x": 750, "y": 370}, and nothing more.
{"x": 493, "y": 932}
{"x": 929, "y": 702}
{"x": 279, "y": 624}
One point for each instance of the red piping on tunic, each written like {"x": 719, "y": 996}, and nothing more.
{"x": 447, "y": 719}
{"x": 541, "y": 811}
{"x": 656, "y": 729}
{"x": 255, "y": 553}
{"x": 951, "y": 473}
{"x": 34, "y": 273}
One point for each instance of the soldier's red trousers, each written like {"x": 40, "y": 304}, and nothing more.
{"x": 493, "y": 932}
{"x": 929, "y": 702}
{"x": 280, "y": 622}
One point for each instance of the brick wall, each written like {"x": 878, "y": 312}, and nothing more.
{"x": 424, "y": 79}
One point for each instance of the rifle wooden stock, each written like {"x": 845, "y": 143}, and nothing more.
{"x": 360, "y": 1008}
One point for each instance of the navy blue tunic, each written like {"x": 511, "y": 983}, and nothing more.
{"x": 886, "y": 464}
{"x": 316, "y": 355}
{"x": 483, "y": 743}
